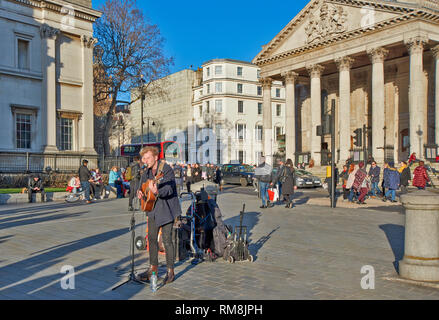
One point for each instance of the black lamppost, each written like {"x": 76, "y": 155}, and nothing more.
{"x": 153, "y": 124}
{"x": 141, "y": 110}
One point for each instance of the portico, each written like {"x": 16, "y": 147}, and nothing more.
{"x": 381, "y": 75}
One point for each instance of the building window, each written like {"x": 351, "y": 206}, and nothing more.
{"x": 218, "y": 70}
{"x": 208, "y": 106}
{"x": 208, "y": 72}
{"x": 201, "y": 110}
{"x": 218, "y": 129}
{"x": 240, "y": 106}
{"x": 259, "y": 131}
{"x": 208, "y": 88}
{"x": 260, "y": 110}
{"x": 259, "y": 74}
{"x": 219, "y": 87}
{"x": 277, "y": 93}
{"x": 259, "y": 91}
{"x": 239, "y": 87}
{"x": 240, "y": 131}
{"x": 258, "y": 157}
{"x": 65, "y": 134}
{"x": 241, "y": 156}
{"x": 278, "y": 132}
{"x": 278, "y": 110}
{"x": 23, "y": 54}
{"x": 23, "y": 130}
{"x": 239, "y": 71}
{"x": 218, "y": 106}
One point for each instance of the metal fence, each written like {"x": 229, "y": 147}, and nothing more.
{"x": 26, "y": 162}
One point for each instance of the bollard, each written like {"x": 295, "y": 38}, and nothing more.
{"x": 421, "y": 247}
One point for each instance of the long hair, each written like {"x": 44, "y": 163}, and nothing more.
{"x": 351, "y": 168}
{"x": 289, "y": 163}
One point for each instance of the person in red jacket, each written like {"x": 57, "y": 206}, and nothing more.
{"x": 412, "y": 158}
{"x": 420, "y": 176}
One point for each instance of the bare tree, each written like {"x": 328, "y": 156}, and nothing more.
{"x": 129, "y": 47}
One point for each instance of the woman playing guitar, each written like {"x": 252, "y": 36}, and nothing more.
{"x": 159, "y": 197}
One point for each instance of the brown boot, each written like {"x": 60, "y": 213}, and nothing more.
{"x": 169, "y": 276}
{"x": 145, "y": 276}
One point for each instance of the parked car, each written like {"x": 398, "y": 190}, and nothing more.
{"x": 238, "y": 174}
{"x": 304, "y": 179}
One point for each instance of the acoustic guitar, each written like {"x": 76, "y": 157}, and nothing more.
{"x": 149, "y": 198}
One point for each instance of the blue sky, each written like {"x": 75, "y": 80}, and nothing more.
{"x": 197, "y": 31}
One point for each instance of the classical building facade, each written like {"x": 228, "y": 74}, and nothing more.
{"x": 46, "y": 80}
{"x": 228, "y": 99}
{"x": 376, "y": 61}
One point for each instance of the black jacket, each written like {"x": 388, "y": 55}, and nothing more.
{"x": 167, "y": 207}
{"x": 84, "y": 173}
{"x": 289, "y": 181}
{"x": 406, "y": 176}
{"x": 35, "y": 184}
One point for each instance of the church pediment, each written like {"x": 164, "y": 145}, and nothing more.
{"x": 322, "y": 20}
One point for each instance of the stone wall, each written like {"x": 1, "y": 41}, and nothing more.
{"x": 84, "y": 3}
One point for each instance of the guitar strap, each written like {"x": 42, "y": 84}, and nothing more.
{"x": 160, "y": 169}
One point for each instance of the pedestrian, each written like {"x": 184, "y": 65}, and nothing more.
{"x": 97, "y": 183}
{"x": 280, "y": 173}
{"x": 218, "y": 178}
{"x": 391, "y": 181}
{"x": 412, "y": 158}
{"x": 264, "y": 174}
{"x": 115, "y": 180}
{"x": 85, "y": 178}
{"x": 74, "y": 184}
{"x": 420, "y": 176}
{"x": 344, "y": 178}
{"x": 135, "y": 171}
{"x": 374, "y": 176}
{"x": 361, "y": 183}
{"x": 405, "y": 176}
{"x": 35, "y": 185}
{"x": 288, "y": 180}
{"x": 352, "y": 171}
{"x": 189, "y": 177}
{"x": 178, "y": 172}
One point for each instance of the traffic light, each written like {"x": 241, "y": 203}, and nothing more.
{"x": 358, "y": 137}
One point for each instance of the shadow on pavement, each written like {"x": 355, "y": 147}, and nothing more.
{"x": 254, "y": 247}
{"x": 12, "y": 223}
{"x": 4, "y": 239}
{"x": 395, "y": 235}
{"x": 47, "y": 259}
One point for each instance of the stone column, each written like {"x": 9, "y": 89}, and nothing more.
{"x": 421, "y": 247}
{"x": 267, "y": 120}
{"x": 436, "y": 111}
{"x": 315, "y": 71}
{"x": 86, "y": 139}
{"x": 48, "y": 64}
{"x": 377, "y": 56}
{"x": 344, "y": 65}
{"x": 290, "y": 106}
{"x": 417, "y": 98}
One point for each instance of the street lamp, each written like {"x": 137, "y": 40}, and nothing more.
{"x": 141, "y": 110}
{"x": 153, "y": 124}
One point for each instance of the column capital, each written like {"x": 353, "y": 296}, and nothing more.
{"x": 266, "y": 82}
{"x": 290, "y": 76}
{"x": 377, "y": 55}
{"x": 48, "y": 32}
{"x": 315, "y": 70}
{"x": 416, "y": 44}
{"x": 435, "y": 51}
{"x": 88, "y": 42}
{"x": 344, "y": 63}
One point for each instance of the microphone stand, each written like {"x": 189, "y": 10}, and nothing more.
{"x": 132, "y": 276}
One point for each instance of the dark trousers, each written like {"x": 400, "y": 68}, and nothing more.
{"x": 288, "y": 198}
{"x": 43, "y": 194}
{"x": 95, "y": 189}
{"x": 153, "y": 232}
{"x": 403, "y": 189}
{"x": 188, "y": 186}
{"x": 346, "y": 193}
{"x": 134, "y": 184}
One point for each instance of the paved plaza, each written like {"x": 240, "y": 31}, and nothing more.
{"x": 309, "y": 252}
